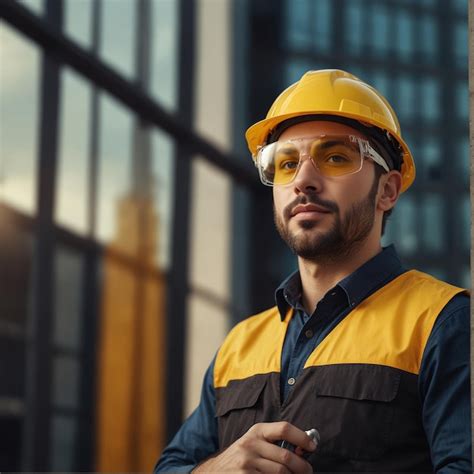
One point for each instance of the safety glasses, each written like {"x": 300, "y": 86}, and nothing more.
{"x": 333, "y": 155}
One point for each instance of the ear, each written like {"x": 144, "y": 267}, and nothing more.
{"x": 389, "y": 190}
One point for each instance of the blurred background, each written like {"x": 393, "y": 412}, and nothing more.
{"x": 133, "y": 230}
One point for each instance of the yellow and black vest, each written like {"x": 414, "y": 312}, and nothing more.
{"x": 358, "y": 388}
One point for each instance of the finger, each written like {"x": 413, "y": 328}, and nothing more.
{"x": 282, "y": 456}
{"x": 265, "y": 465}
{"x": 282, "y": 430}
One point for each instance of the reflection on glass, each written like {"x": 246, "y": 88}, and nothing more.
{"x": 207, "y": 325}
{"x": 432, "y": 217}
{"x": 36, "y": 6}
{"x": 162, "y": 166}
{"x": 164, "y": 52}
{"x": 118, "y": 34}
{"x": 405, "y": 34}
{"x": 322, "y": 19}
{"x": 430, "y": 98}
{"x": 63, "y": 443}
{"x": 15, "y": 272}
{"x": 73, "y": 157}
{"x": 428, "y": 37}
{"x": 78, "y": 21}
{"x": 355, "y": 27}
{"x": 460, "y": 44}
{"x": 406, "y": 97}
{"x": 404, "y": 220}
{"x": 380, "y": 28}
{"x": 65, "y": 382}
{"x": 19, "y": 76}
{"x": 114, "y": 169}
{"x": 462, "y": 100}
{"x": 429, "y": 163}
{"x": 210, "y": 233}
{"x": 68, "y": 294}
{"x": 298, "y": 28}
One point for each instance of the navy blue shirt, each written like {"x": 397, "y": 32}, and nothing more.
{"x": 443, "y": 381}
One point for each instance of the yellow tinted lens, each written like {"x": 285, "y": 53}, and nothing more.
{"x": 335, "y": 157}
{"x": 286, "y": 162}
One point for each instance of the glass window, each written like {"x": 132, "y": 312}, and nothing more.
{"x": 379, "y": 20}
{"x": 430, "y": 98}
{"x": 466, "y": 280}
{"x": 323, "y": 24}
{"x": 12, "y": 368}
{"x": 463, "y": 161}
{"x": 406, "y": 97}
{"x": 66, "y": 382}
{"x": 298, "y": 23}
{"x": 164, "y": 53}
{"x": 460, "y": 44}
{"x": 73, "y": 160}
{"x": 210, "y": 242}
{"x": 63, "y": 443}
{"x": 19, "y": 78}
{"x": 118, "y": 34}
{"x": 115, "y": 213}
{"x": 68, "y": 294}
{"x": 428, "y": 161}
{"x": 460, "y": 6}
{"x": 78, "y": 21}
{"x": 36, "y": 6}
{"x": 16, "y": 248}
{"x": 432, "y": 216}
{"x": 163, "y": 152}
{"x": 466, "y": 223}
{"x": 462, "y": 100}
{"x": 428, "y": 37}
{"x": 404, "y": 218}
{"x": 404, "y": 30}
{"x": 207, "y": 325}
{"x": 354, "y": 26}
{"x": 381, "y": 82}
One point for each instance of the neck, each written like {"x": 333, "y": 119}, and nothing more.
{"x": 318, "y": 277}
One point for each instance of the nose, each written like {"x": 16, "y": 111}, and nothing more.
{"x": 308, "y": 177}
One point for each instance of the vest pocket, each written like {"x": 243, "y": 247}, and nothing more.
{"x": 354, "y": 409}
{"x": 236, "y": 407}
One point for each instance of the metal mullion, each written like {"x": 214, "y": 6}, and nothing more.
{"x": 86, "y": 435}
{"x": 178, "y": 281}
{"x": 36, "y": 440}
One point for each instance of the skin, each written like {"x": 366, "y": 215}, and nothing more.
{"x": 330, "y": 246}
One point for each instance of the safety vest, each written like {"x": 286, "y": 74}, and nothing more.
{"x": 358, "y": 388}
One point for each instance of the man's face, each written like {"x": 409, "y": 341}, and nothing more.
{"x": 338, "y": 212}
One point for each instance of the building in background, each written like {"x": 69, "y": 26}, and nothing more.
{"x": 133, "y": 231}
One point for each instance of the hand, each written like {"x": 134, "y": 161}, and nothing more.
{"x": 255, "y": 451}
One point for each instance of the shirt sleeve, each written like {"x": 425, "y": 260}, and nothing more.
{"x": 197, "y": 439}
{"x": 444, "y": 385}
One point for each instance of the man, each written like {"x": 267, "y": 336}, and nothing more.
{"x": 371, "y": 355}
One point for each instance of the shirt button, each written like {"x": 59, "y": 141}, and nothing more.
{"x": 309, "y": 334}
{"x": 291, "y": 381}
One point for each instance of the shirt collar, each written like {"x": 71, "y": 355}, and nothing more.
{"x": 371, "y": 276}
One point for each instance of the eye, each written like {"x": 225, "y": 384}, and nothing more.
{"x": 288, "y": 165}
{"x": 337, "y": 159}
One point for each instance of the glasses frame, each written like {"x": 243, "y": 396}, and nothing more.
{"x": 366, "y": 151}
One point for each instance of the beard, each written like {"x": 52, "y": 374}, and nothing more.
{"x": 345, "y": 236}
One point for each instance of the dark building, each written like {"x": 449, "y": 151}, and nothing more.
{"x": 133, "y": 229}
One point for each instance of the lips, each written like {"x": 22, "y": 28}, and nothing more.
{"x": 308, "y": 208}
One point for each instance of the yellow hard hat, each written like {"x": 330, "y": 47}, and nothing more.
{"x": 334, "y": 92}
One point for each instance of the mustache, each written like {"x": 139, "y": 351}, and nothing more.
{"x": 311, "y": 198}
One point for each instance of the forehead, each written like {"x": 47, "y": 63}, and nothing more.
{"x": 318, "y": 127}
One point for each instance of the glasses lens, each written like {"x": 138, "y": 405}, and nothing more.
{"x": 336, "y": 156}
{"x": 279, "y": 162}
